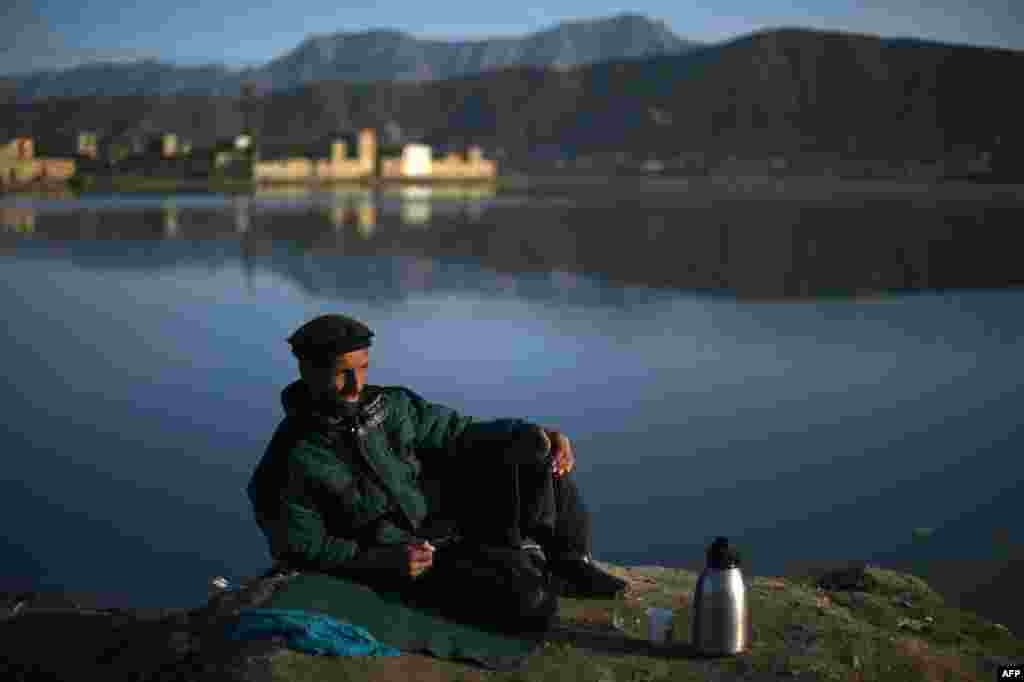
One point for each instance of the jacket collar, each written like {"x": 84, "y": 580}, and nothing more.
{"x": 368, "y": 412}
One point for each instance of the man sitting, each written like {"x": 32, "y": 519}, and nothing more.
{"x": 344, "y": 488}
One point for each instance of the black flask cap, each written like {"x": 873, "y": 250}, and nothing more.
{"x": 721, "y": 555}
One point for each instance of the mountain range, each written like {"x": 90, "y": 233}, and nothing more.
{"x": 377, "y": 55}
{"x": 800, "y": 98}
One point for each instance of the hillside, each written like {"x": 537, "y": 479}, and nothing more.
{"x": 810, "y": 98}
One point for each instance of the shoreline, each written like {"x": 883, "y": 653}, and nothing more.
{"x": 134, "y": 183}
{"x": 738, "y": 185}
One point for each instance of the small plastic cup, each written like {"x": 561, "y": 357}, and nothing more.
{"x": 659, "y": 626}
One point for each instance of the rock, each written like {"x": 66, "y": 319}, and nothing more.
{"x": 851, "y": 599}
{"x": 858, "y": 599}
{"x": 850, "y": 578}
{"x": 772, "y": 584}
{"x": 799, "y": 638}
{"x": 991, "y": 663}
{"x": 903, "y": 599}
{"x": 44, "y": 600}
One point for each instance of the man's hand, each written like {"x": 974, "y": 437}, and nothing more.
{"x": 419, "y": 556}
{"x": 410, "y": 560}
{"x": 562, "y": 457}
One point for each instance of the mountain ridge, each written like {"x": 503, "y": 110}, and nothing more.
{"x": 379, "y": 54}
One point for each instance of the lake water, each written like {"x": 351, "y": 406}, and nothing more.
{"x": 690, "y": 351}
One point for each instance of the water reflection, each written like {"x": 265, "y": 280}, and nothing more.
{"x": 415, "y": 205}
{"x": 201, "y": 215}
{"x": 170, "y": 215}
{"x": 563, "y": 281}
{"x": 241, "y": 205}
{"x": 416, "y": 274}
{"x": 354, "y": 207}
{"x": 745, "y": 250}
{"x": 418, "y": 200}
{"x": 282, "y": 192}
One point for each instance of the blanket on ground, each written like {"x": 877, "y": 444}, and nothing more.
{"x": 387, "y": 618}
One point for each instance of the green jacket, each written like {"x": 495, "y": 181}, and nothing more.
{"x": 320, "y": 492}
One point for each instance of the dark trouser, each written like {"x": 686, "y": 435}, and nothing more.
{"x": 497, "y": 506}
{"x": 501, "y": 504}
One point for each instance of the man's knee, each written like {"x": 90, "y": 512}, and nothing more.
{"x": 538, "y": 604}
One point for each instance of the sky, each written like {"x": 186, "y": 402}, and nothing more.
{"x": 43, "y": 34}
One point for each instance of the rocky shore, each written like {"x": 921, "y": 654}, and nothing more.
{"x": 860, "y": 623}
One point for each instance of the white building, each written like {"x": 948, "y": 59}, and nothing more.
{"x": 416, "y": 161}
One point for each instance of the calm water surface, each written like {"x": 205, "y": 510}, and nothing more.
{"x": 144, "y": 353}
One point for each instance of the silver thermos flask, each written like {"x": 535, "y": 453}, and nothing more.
{"x": 720, "y": 612}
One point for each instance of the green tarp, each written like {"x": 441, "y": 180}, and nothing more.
{"x": 397, "y": 623}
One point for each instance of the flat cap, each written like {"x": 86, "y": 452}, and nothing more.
{"x": 330, "y": 334}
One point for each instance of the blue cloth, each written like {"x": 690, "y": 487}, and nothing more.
{"x": 309, "y": 632}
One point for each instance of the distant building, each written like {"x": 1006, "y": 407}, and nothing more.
{"x": 169, "y": 145}
{"x": 18, "y": 164}
{"x": 240, "y": 156}
{"x": 88, "y": 146}
{"x": 115, "y": 149}
{"x": 20, "y": 148}
{"x": 163, "y": 146}
{"x": 233, "y": 156}
{"x": 336, "y": 167}
{"x": 416, "y": 162}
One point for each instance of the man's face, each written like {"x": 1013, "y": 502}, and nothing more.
{"x": 343, "y": 375}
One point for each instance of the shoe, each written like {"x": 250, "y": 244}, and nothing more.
{"x": 580, "y": 578}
